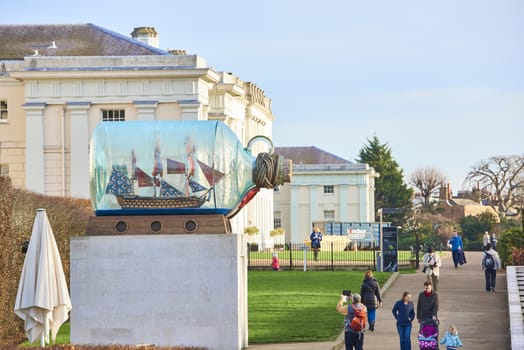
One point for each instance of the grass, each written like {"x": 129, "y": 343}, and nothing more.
{"x": 61, "y": 338}
{"x": 296, "y": 306}
{"x": 288, "y": 306}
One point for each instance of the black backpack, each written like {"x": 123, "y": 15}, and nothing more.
{"x": 489, "y": 262}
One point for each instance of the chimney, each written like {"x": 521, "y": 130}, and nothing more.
{"x": 147, "y": 35}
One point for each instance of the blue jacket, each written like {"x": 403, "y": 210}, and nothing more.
{"x": 315, "y": 239}
{"x": 403, "y": 313}
{"x": 451, "y": 340}
{"x": 456, "y": 243}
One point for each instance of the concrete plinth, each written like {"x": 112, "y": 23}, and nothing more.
{"x": 160, "y": 289}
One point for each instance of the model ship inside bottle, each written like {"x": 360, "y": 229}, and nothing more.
{"x": 176, "y": 167}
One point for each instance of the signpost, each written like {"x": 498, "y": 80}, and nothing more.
{"x": 381, "y": 211}
{"x": 390, "y": 249}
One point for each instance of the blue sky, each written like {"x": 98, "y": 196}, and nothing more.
{"x": 441, "y": 81}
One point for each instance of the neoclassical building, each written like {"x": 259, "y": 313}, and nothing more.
{"x": 324, "y": 188}
{"x": 57, "y": 82}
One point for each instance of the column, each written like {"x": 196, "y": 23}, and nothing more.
{"x": 146, "y": 110}
{"x": 34, "y": 152}
{"x": 79, "y": 135}
{"x": 294, "y": 227}
{"x": 343, "y": 211}
{"x": 313, "y": 204}
{"x": 364, "y": 215}
{"x": 191, "y": 110}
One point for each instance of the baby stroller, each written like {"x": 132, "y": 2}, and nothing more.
{"x": 428, "y": 335}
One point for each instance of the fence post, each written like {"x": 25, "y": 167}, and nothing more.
{"x": 332, "y": 258}
{"x": 248, "y": 255}
{"x": 290, "y": 257}
{"x": 305, "y": 252}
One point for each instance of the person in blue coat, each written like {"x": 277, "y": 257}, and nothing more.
{"x": 456, "y": 247}
{"x": 315, "y": 237}
{"x": 404, "y": 313}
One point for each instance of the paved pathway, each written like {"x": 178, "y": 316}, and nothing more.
{"x": 481, "y": 318}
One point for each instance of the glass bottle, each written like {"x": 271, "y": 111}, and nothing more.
{"x": 177, "y": 167}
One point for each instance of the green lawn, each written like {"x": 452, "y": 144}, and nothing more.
{"x": 296, "y": 306}
{"x": 289, "y": 306}
{"x": 61, "y": 338}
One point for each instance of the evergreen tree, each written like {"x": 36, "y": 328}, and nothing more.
{"x": 390, "y": 189}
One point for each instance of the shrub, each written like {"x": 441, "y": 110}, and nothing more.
{"x": 517, "y": 256}
{"x": 509, "y": 240}
{"x": 68, "y": 217}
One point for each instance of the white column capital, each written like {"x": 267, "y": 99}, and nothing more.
{"x": 191, "y": 109}
{"x": 79, "y": 107}
{"x": 146, "y": 110}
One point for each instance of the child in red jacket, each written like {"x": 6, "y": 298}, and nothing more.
{"x": 274, "y": 262}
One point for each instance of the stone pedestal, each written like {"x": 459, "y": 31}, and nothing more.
{"x": 160, "y": 289}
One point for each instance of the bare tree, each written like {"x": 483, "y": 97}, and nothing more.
{"x": 502, "y": 176}
{"x": 428, "y": 181}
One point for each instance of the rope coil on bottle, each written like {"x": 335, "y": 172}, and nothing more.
{"x": 266, "y": 172}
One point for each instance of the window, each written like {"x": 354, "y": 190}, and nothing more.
{"x": 277, "y": 221}
{"x": 113, "y": 115}
{"x": 329, "y": 215}
{"x": 276, "y": 189}
{"x": 329, "y": 189}
{"x": 4, "y": 169}
{"x": 3, "y": 111}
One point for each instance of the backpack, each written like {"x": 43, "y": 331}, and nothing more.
{"x": 489, "y": 263}
{"x": 358, "y": 322}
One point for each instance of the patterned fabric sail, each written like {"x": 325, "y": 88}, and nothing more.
{"x": 119, "y": 184}
{"x": 167, "y": 190}
{"x": 196, "y": 187}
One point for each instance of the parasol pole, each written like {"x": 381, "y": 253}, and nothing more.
{"x": 42, "y": 340}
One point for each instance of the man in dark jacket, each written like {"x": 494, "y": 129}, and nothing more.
{"x": 370, "y": 293}
{"x": 427, "y": 304}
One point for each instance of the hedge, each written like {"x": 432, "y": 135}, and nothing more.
{"x": 68, "y": 217}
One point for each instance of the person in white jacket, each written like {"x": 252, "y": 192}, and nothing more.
{"x": 431, "y": 267}
{"x": 490, "y": 263}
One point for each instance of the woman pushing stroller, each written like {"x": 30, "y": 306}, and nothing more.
{"x": 427, "y": 310}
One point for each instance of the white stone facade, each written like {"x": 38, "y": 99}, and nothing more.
{"x": 344, "y": 192}
{"x": 63, "y": 98}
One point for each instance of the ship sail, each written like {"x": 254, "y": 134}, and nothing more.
{"x": 168, "y": 190}
{"x": 196, "y": 187}
{"x": 145, "y": 180}
{"x": 212, "y": 175}
{"x": 119, "y": 184}
{"x": 158, "y": 169}
{"x": 175, "y": 167}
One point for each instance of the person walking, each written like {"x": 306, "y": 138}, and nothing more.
{"x": 493, "y": 241}
{"x": 490, "y": 264}
{"x": 354, "y": 321}
{"x": 370, "y": 293}
{"x": 485, "y": 239}
{"x": 427, "y": 303}
{"x": 451, "y": 339}
{"x": 315, "y": 237}
{"x": 404, "y": 313}
{"x": 431, "y": 262}
{"x": 457, "y": 247}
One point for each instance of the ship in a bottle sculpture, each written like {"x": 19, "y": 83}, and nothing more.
{"x": 177, "y": 168}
